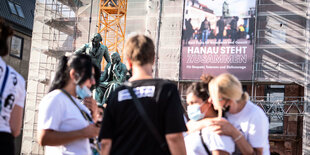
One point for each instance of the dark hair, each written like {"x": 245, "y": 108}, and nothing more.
{"x": 5, "y": 32}
{"x": 81, "y": 63}
{"x": 200, "y": 89}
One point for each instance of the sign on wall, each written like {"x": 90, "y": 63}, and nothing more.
{"x": 218, "y": 37}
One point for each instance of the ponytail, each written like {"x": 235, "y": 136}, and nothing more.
{"x": 206, "y": 78}
{"x": 61, "y": 76}
{"x": 244, "y": 97}
{"x": 82, "y": 65}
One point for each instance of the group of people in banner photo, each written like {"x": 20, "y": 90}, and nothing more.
{"x": 229, "y": 29}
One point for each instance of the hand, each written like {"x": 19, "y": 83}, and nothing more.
{"x": 193, "y": 126}
{"x": 91, "y": 104}
{"x": 221, "y": 126}
{"x": 90, "y": 131}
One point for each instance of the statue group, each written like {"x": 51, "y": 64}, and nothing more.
{"x": 114, "y": 73}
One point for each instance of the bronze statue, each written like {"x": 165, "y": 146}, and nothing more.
{"x": 95, "y": 50}
{"x": 113, "y": 75}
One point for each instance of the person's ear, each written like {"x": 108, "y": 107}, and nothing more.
{"x": 73, "y": 75}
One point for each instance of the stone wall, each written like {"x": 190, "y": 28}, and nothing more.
{"x": 21, "y": 65}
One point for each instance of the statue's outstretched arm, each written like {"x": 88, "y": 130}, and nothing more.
{"x": 81, "y": 50}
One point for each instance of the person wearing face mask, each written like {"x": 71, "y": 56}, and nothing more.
{"x": 204, "y": 141}
{"x": 246, "y": 123}
{"x": 64, "y": 122}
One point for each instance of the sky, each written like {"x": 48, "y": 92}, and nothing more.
{"x": 235, "y": 6}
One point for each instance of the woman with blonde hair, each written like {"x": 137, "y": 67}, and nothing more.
{"x": 246, "y": 123}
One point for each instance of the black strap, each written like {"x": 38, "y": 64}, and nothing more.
{"x": 204, "y": 144}
{"x": 146, "y": 119}
{"x": 85, "y": 115}
{"x": 3, "y": 84}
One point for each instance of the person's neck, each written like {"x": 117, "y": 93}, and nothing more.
{"x": 70, "y": 88}
{"x": 211, "y": 113}
{"x": 240, "y": 106}
{"x": 141, "y": 72}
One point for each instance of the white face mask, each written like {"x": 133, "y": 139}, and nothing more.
{"x": 82, "y": 92}
{"x": 194, "y": 113}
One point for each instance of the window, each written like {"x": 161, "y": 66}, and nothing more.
{"x": 16, "y": 9}
{"x": 19, "y": 10}
{"x": 12, "y": 8}
{"x": 17, "y": 47}
{"x": 275, "y": 98}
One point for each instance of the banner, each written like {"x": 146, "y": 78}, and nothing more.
{"x": 218, "y": 37}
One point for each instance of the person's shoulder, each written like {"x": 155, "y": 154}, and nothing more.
{"x": 118, "y": 89}
{"x": 13, "y": 71}
{"x": 20, "y": 79}
{"x": 254, "y": 108}
{"x": 103, "y": 46}
{"x": 54, "y": 97}
{"x": 256, "y": 111}
{"x": 165, "y": 82}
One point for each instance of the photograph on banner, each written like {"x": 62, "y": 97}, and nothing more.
{"x": 218, "y": 37}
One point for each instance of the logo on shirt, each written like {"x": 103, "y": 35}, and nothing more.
{"x": 143, "y": 91}
{"x": 9, "y": 101}
{"x": 14, "y": 77}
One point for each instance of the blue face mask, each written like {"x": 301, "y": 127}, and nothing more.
{"x": 82, "y": 92}
{"x": 194, "y": 112}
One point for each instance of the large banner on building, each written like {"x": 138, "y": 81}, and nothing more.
{"x": 218, "y": 37}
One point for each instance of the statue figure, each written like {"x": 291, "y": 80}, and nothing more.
{"x": 225, "y": 9}
{"x": 95, "y": 50}
{"x": 113, "y": 75}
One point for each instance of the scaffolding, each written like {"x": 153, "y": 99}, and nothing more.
{"x": 112, "y": 24}
{"x": 60, "y": 26}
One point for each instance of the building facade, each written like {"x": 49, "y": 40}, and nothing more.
{"x": 280, "y": 63}
{"x": 19, "y": 14}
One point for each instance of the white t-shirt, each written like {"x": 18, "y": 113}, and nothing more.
{"x": 58, "y": 113}
{"x": 13, "y": 95}
{"x": 213, "y": 141}
{"x": 253, "y": 123}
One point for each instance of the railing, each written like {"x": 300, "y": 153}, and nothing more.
{"x": 291, "y": 106}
